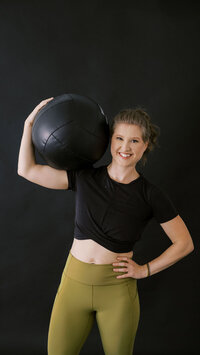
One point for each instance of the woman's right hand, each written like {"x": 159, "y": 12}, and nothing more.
{"x": 31, "y": 117}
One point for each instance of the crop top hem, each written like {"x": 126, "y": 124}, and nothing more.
{"x": 112, "y": 245}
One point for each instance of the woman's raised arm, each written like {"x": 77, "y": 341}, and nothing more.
{"x": 43, "y": 175}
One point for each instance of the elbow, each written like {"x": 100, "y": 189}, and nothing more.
{"x": 188, "y": 247}
{"x": 185, "y": 248}
{"x": 19, "y": 168}
{"x": 19, "y": 172}
{"x": 191, "y": 247}
{"x": 190, "y": 244}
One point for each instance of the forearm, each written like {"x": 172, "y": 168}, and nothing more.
{"x": 26, "y": 157}
{"x": 170, "y": 256}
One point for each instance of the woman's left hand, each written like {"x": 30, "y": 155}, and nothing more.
{"x": 130, "y": 267}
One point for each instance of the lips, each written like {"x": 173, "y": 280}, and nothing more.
{"x": 124, "y": 157}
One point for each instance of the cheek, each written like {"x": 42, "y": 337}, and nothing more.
{"x": 114, "y": 146}
{"x": 138, "y": 151}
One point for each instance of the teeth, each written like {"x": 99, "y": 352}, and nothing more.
{"x": 125, "y": 155}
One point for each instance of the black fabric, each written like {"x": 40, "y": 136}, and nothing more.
{"x": 115, "y": 214}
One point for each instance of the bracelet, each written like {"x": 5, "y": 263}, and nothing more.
{"x": 148, "y": 270}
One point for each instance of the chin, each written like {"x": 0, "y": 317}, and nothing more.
{"x": 122, "y": 162}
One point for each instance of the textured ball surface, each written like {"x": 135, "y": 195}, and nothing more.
{"x": 71, "y": 131}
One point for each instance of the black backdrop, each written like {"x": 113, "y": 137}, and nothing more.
{"x": 121, "y": 54}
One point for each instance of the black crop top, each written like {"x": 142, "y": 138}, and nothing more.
{"x": 115, "y": 214}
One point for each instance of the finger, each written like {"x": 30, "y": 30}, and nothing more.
{"x": 122, "y": 258}
{"x": 51, "y": 98}
{"x": 119, "y": 264}
{"x": 44, "y": 102}
{"x": 122, "y": 276}
{"x": 126, "y": 261}
{"x": 121, "y": 270}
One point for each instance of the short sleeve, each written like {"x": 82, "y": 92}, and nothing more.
{"x": 72, "y": 177}
{"x": 162, "y": 205}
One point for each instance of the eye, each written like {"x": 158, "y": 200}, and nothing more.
{"x": 135, "y": 140}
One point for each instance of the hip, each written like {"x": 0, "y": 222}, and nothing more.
{"x": 94, "y": 274}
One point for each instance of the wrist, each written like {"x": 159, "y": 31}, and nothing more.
{"x": 145, "y": 271}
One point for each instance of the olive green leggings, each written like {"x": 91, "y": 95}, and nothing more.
{"x": 87, "y": 291}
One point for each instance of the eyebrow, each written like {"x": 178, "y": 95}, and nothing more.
{"x": 122, "y": 136}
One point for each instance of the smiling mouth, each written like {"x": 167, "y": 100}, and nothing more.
{"x": 124, "y": 156}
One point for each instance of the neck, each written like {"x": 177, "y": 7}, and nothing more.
{"x": 122, "y": 173}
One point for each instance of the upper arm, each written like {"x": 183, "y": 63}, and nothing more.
{"x": 169, "y": 219}
{"x": 163, "y": 208}
{"x": 177, "y": 231}
{"x": 47, "y": 176}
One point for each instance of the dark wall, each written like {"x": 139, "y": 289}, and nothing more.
{"x": 121, "y": 54}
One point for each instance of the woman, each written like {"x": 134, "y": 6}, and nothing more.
{"x": 113, "y": 205}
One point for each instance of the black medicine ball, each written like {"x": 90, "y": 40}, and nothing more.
{"x": 71, "y": 131}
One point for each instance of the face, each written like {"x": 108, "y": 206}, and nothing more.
{"x": 127, "y": 139}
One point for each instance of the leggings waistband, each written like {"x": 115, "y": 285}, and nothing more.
{"x": 92, "y": 274}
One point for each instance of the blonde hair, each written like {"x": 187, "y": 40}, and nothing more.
{"x": 138, "y": 116}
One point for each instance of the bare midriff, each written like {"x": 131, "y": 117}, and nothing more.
{"x": 89, "y": 251}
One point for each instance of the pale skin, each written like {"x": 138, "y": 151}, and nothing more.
{"x": 127, "y": 138}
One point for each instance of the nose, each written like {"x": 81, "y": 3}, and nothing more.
{"x": 125, "y": 147}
